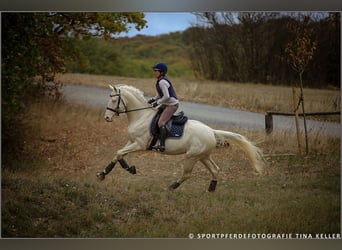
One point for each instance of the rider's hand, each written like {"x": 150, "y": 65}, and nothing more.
{"x": 152, "y": 100}
{"x": 155, "y": 104}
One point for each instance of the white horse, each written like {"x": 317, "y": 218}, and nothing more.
{"x": 197, "y": 142}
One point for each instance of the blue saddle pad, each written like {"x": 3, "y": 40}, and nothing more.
{"x": 175, "y": 126}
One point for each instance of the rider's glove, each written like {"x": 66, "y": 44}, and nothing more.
{"x": 155, "y": 104}
{"x": 152, "y": 100}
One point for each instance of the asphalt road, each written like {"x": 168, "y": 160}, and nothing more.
{"x": 211, "y": 115}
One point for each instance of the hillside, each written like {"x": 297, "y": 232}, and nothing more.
{"x": 256, "y": 49}
{"x": 132, "y": 57}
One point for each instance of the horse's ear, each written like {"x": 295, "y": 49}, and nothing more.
{"x": 112, "y": 88}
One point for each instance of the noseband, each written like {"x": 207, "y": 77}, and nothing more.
{"x": 117, "y": 109}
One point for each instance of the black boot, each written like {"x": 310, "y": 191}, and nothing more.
{"x": 163, "y": 135}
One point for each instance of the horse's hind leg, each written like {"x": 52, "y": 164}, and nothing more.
{"x": 187, "y": 169}
{"x": 213, "y": 169}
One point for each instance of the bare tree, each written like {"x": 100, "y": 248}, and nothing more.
{"x": 300, "y": 51}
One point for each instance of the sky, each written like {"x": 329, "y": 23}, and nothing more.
{"x": 162, "y": 23}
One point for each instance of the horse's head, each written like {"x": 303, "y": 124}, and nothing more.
{"x": 125, "y": 99}
{"x": 116, "y": 104}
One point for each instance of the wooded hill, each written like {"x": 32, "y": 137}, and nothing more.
{"x": 133, "y": 57}
{"x": 249, "y": 47}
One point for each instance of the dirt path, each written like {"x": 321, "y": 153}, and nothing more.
{"x": 209, "y": 114}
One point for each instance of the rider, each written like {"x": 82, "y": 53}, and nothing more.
{"x": 167, "y": 99}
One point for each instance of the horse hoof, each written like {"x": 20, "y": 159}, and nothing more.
{"x": 132, "y": 170}
{"x": 101, "y": 176}
{"x": 174, "y": 186}
{"x": 212, "y": 186}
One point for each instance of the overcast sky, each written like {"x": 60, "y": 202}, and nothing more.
{"x": 163, "y": 23}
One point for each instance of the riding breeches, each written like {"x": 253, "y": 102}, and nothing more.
{"x": 168, "y": 111}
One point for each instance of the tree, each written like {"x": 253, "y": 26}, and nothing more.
{"x": 300, "y": 51}
{"x": 100, "y": 24}
{"x": 250, "y": 47}
{"x": 37, "y": 44}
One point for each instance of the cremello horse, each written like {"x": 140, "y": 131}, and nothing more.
{"x": 197, "y": 142}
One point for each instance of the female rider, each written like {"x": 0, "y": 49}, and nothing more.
{"x": 167, "y": 99}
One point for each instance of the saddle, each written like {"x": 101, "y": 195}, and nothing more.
{"x": 175, "y": 127}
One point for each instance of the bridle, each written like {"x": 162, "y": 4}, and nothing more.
{"x": 117, "y": 109}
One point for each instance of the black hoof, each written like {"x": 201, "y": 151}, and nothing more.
{"x": 132, "y": 170}
{"x": 212, "y": 186}
{"x": 101, "y": 176}
{"x": 174, "y": 186}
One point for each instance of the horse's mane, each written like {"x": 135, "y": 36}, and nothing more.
{"x": 133, "y": 90}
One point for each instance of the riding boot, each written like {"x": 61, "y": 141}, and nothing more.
{"x": 163, "y": 135}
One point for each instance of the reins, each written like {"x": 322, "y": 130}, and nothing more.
{"x": 127, "y": 111}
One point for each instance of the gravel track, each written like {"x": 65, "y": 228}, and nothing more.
{"x": 208, "y": 114}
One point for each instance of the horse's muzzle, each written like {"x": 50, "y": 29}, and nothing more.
{"x": 108, "y": 119}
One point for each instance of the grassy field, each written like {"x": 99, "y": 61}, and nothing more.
{"x": 51, "y": 189}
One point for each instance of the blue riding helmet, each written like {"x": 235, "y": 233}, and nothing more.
{"x": 162, "y": 67}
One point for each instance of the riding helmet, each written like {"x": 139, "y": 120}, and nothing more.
{"x": 162, "y": 67}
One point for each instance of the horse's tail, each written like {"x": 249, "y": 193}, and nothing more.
{"x": 254, "y": 153}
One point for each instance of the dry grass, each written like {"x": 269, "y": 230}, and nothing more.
{"x": 52, "y": 191}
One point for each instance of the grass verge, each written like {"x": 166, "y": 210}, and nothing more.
{"x": 54, "y": 192}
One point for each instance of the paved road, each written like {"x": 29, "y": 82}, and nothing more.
{"x": 209, "y": 114}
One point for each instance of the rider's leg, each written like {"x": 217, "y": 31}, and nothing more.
{"x": 167, "y": 114}
{"x": 163, "y": 135}
{"x": 164, "y": 118}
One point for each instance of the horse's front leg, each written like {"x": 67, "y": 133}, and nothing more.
{"x": 129, "y": 148}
